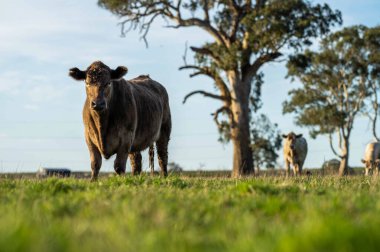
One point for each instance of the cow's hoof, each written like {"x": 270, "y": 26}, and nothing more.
{"x": 119, "y": 171}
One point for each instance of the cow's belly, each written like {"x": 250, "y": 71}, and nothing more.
{"x": 147, "y": 131}
{"x": 143, "y": 141}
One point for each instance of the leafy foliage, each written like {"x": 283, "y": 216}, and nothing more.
{"x": 266, "y": 141}
{"x": 335, "y": 81}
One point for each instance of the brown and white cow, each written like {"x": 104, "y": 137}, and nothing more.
{"x": 123, "y": 117}
{"x": 295, "y": 151}
{"x": 372, "y": 158}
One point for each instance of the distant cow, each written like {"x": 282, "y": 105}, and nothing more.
{"x": 123, "y": 117}
{"x": 372, "y": 158}
{"x": 295, "y": 151}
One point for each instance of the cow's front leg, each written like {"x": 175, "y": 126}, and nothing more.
{"x": 96, "y": 160}
{"x": 287, "y": 168}
{"x": 366, "y": 171}
{"x": 120, "y": 162}
{"x": 135, "y": 162}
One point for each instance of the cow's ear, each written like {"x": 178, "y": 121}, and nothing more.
{"x": 284, "y": 136}
{"x": 363, "y": 161}
{"x": 299, "y": 135}
{"x": 118, "y": 73}
{"x": 77, "y": 74}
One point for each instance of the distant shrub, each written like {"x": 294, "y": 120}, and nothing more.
{"x": 331, "y": 167}
{"x": 174, "y": 167}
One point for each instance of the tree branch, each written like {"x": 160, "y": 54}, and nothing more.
{"x": 252, "y": 69}
{"x": 204, "y": 24}
{"x": 332, "y": 147}
{"x": 205, "y": 94}
{"x": 375, "y": 106}
{"x": 137, "y": 11}
{"x": 230, "y": 115}
{"x": 208, "y": 52}
{"x": 220, "y": 84}
{"x": 235, "y": 19}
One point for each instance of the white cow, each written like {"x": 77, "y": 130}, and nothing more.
{"x": 295, "y": 151}
{"x": 371, "y": 158}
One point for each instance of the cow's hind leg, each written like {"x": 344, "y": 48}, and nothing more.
{"x": 151, "y": 159}
{"x": 296, "y": 169}
{"x": 162, "y": 148}
{"x": 135, "y": 158}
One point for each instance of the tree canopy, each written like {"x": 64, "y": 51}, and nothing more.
{"x": 266, "y": 141}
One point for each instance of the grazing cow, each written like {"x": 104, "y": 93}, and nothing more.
{"x": 372, "y": 158}
{"x": 295, "y": 151}
{"x": 124, "y": 117}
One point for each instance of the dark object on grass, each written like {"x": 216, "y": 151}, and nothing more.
{"x": 174, "y": 167}
{"x": 331, "y": 167}
{"x": 124, "y": 118}
{"x": 50, "y": 172}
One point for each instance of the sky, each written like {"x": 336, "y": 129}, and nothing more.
{"x": 41, "y": 107}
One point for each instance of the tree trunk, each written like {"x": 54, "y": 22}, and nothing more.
{"x": 240, "y": 130}
{"x": 343, "y": 168}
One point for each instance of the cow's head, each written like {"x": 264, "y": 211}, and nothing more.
{"x": 98, "y": 78}
{"x": 371, "y": 164}
{"x": 291, "y": 139}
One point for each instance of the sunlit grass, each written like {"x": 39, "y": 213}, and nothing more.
{"x": 190, "y": 214}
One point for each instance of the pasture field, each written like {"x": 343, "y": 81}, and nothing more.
{"x": 190, "y": 213}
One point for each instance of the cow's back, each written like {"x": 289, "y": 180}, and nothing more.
{"x": 372, "y": 151}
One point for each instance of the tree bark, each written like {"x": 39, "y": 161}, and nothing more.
{"x": 240, "y": 129}
{"x": 343, "y": 168}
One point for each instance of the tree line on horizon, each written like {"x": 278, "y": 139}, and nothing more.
{"x": 340, "y": 81}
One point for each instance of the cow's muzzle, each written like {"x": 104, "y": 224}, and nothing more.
{"x": 98, "y": 105}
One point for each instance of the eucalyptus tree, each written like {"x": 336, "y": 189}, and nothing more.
{"x": 372, "y": 45}
{"x": 245, "y": 36}
{"x": 338, "y": 81}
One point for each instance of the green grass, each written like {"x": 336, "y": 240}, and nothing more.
{"x": 190, "y": 214}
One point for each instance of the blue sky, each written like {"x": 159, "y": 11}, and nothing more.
{"x": 40, "y": 115}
